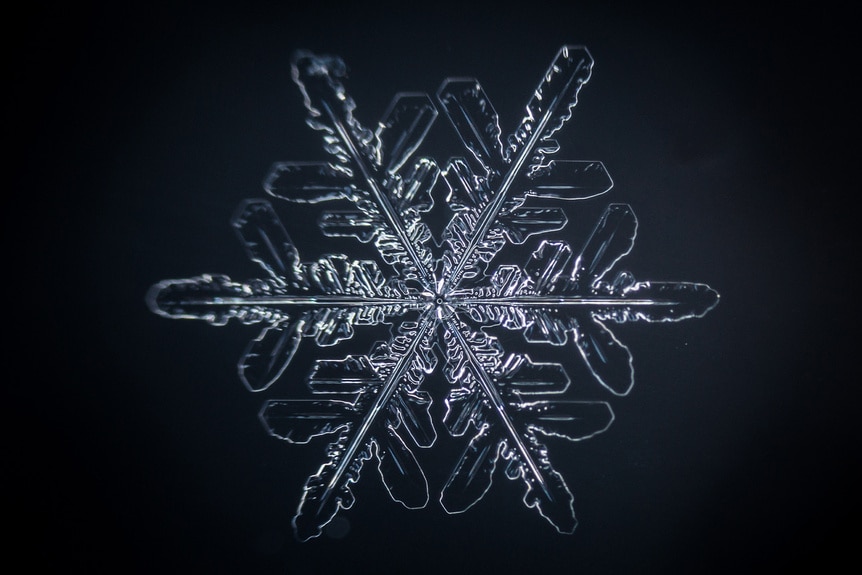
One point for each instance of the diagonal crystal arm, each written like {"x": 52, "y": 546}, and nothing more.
{"x": 489, "y": 214}
{"x": 387, "y": 389}
{"x": 382, "y": 200}
{"x": 496, "y": 402}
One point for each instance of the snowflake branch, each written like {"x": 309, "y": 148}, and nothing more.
{"x": 352, "y": 447}
{"x": 386, "y": 391}
{"x": 497, "y": 403}
{"x": 552, "y": 112}
{"x": 389, "y": 212}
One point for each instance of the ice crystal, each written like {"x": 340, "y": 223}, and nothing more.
{"x": 501, "y": 403}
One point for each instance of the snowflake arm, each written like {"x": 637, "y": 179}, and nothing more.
{"x": 388, "y": 409}
{"x": 555, "y": 295}
{"x": 489, "y": 392}
{"x": 369, "y": 169}
{"x": 323, "y": 299}
{"x": 507, "y": 177}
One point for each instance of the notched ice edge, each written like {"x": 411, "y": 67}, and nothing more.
{"x": 374, "y": 406}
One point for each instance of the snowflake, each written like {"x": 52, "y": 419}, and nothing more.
{"x": 441, "y": 305}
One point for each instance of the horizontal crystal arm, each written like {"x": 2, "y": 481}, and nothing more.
{"x": 310, "y": 300}
{"x": 557, "y": 301}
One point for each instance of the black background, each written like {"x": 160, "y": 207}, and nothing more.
{"x": 134, "y": 448}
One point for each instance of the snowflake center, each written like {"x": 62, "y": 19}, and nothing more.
{"x": 435, "y": 298}
{"x": 439, "y": 302}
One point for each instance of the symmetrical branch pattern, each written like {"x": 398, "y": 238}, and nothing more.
{"x": 439, "y": 300}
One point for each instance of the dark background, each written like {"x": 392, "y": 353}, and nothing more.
{"x": 133, "y": 447}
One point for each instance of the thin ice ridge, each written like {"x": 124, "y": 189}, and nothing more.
{"x": 374, "y": 406}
